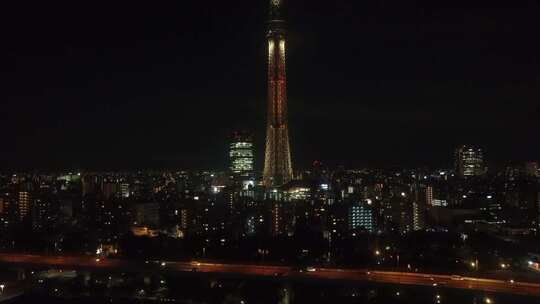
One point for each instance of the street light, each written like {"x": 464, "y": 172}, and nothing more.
{"x": 488, "y": 300}
{"x": 475, "y": 264}
{"x": 2, "y": 286}
{"x": 377, "y": 252}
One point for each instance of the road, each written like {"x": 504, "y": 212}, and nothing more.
{"x": 11, "y": 291}
{"x": 405, "y": 278}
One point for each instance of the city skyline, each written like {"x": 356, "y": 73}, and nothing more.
{"x": 165, "y": 87}
{"x": 270, "y": 151}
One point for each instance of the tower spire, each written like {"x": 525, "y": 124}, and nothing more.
{"x": 276, "y": 10}
{"x": 277, "y": 157}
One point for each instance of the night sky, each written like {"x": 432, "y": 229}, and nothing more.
{"x": 161, "y": 84}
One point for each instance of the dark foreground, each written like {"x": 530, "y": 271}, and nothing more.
{"x": 208, "y": 290}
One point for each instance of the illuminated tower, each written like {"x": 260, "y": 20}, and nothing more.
{"x": 277, "y": 157}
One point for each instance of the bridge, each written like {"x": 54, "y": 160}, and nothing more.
{"x": 23, "y": 261}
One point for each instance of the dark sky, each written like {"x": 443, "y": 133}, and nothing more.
{"x": 141, "y": 84}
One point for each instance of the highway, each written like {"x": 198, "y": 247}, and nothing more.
{"x": 405, "y": 278}
{"x": 11, "y": 290}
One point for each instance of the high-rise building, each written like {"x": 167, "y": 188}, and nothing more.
{"x": 40, "y": 212}
{"x": 184, "y": 219}
{"x": 469, "y": 161}
{"x": 277, "y": 219}
{"x": 402, "y": 212}
{"x": 89, "y": 184}
{"x": 147, "y": 214}
{"x": 277, "y": 157}
{"x": 24, "y": 204}
{"x": 124, "y": 190}
{"x": 361, "y": 216}
{"x": 282, "y": 218}
{"x": 241, "y": 155}
{"x": 418, "y": 216}
{"x": 429, "y": 196}
{"x": 10, "y": 212}
{"x": 109, "y": 189}
{"x": 538, "y": 208}
{"x": 420, "y": 206}
{"x": 531, "y": 168}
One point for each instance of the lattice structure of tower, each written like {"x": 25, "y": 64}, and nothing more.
{"x": 277, "y": 158}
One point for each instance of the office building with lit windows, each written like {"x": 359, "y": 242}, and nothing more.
{"x": 24, "y": 204}
{"x": 361, "y": 216}
{"x": 469, "y": 161}
{"x": 241, "y": 155}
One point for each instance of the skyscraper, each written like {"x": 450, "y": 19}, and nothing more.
{"x": 277, "y": 157}
{"x": 24, "y": 202}
{"x": 469, "y": 161}
{"x": 283, "y": 219}
{"x": 241, "y": 155}
{"x": 361, "y": 216}
{"x": 39, "y": 212}
{"x": 124, "y": 189}
{"x": 531, "y": 168}
{"x": 429, "y": 196}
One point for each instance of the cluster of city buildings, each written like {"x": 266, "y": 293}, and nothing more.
{"x": 235, "y": 204}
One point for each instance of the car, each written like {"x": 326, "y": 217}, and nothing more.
{"x": 311, "y": 269}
